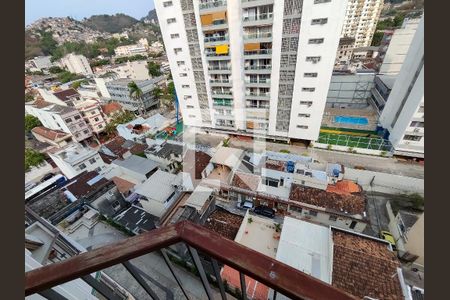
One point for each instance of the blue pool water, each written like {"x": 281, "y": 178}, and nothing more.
{"x": 351, "y": 120}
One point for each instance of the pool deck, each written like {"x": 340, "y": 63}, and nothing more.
{"x": 331, "y": 113}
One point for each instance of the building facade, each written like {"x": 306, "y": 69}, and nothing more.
{"x": 136, "y": 70}
{"x": 77, "y": 64}
{"x": 403, "y": 114}
{"x": 136, "y": 49}
{"x": 120, "y": 92}
{"x": 393, "y": 53}
{"x": 92, "y": 114}
{"x": 254, "y": 67}
{"x": 361, "y": 19}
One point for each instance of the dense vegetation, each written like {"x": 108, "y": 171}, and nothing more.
{"x": 112, "y": 24}
{"x": 33, "y": 158}
{"x": 154, "y": 69}
{"x": 31, "y": 122}
{"x": 119, "y": 118}
{"x": 129, "y": 58}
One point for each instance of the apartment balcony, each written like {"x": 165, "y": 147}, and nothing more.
{"x": 257, "y": 82}
{"x": 211, "y": 5}
{"x": 213, "y": 56}
{"x": 258, "y": 69}
{"x": 262, "y": 37}
{"x": 215, "y": 40}
{"x": 202, "y": 246}
{"x": 222, "y": 94}
{"x": 223, "y": 116}
{"x": 258, "y": 20}
{"x": 222, "y": 102}
{"x": 216, "y": 25}
{"x": 253, "y": 3}
{"x": 219, "y": 69}
{"x": 220, "y": 82}
{"x": 257, "y": 95}
{"x": 258, "y": 54}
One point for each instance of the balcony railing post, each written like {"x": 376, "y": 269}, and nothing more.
{"x": 52, "y": 295}
{"x": 218, "y": 278}
{"x": 100, "y": 287}
{"x": 134, "y": 272}
{"x": 170, "y": 266}
{"x": 243, "y": 287}
{"x": 201, "y": 271}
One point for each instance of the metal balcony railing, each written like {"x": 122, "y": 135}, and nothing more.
{"x": 212, "y": 39}
{"x": 258, "y": 52}
{"x": 220, "y": 81}
{"x": 213, "y": 53}
{"x": 276, "y": 275}
{"x": 213, "y": 4}
{"x": 260, "y": 67}
{"x": 260, "y": 35}
{"x": 256, "y": 81}
{"x": 263, "y": 16}
{"x": 219, "y": 67}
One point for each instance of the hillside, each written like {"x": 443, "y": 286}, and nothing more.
{"x": 111, "y": 24}
{"x": 151, "y": 17}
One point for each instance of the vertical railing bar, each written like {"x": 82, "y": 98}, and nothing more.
{"x": 201, "y": 271}
{"x": 243, "y": 287}
{"x": 274, "y": 295}
{"x": 52, "y": 295}
{"x": 134, "y": 272}
{"x": 100, "y": 287}
{"x": 172, "y": 270}
{"x": 218, "y": 278}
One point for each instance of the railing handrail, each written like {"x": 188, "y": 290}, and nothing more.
{"x": 259, "y": 51}
{"x": 277, "y": 275}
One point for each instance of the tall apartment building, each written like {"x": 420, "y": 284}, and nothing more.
{"x": 403, "y": 114}
{"x": 77, "y": 64}
{"x": 361, "y": 20}
{"x": 254, "y": 67}
{"x": 393, "y": 53}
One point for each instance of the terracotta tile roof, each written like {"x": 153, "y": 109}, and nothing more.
{"x": 245, "y": 181}
{"x": 344, "y": 187}
{"x": 351, "y": 204}
{"x": 365, "y": 267}
{"x": 111, "y": 108}
{"x": 49, "y": 133}
{"x": 81, "y": 186}
{"x": 120, "y": 146}
{"x": 65, "y": 95}
{"x": 274, "y": 165}
{"x": 196, "y": 161}
{"x": 41, "y": 103}
{"x": 123, "y": 185}
{"x": 254, "y": 289}
{"x": 106, "y": 158}
{"x": 224, "y": 223}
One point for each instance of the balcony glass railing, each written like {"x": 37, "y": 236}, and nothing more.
{"x": 216, "y": 39}
{"x": 257, "y": 81}
{"x": 260, "y": 67}
{"x": 220, "y": 81}
{"x": 263, "y": 16}
{"x": 261, "y": 106}
{"x": 219, "y": 68}
{"x": 212, "y": 4}
{"x": 258, "y": 52}
{"x": 214, "y": 54}
{"x": 259, "y": 94}
{"x": 260, "y": 35}
{"x": 229, "y": 93}
{"x": 222, "y": 102}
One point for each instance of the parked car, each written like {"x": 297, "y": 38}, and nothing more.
{"x": 47, "y": 177}
{"x": 245, "y": 205}
{"x": 264, "y": 211}
{"x": 387, "y": 236}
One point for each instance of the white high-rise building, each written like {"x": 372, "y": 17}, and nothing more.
{"x": 261, "y": 67}
{"x": 361, "y": 20}
{"x": 403, "y": 114}
{"x": 77, "y": 64}
{"x": 395, "y": 52}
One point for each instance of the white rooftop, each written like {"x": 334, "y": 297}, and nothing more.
{"x": 199, "y": 197}
{"x": 137, "y": 164}
{"x": 159, "y": 186}
{"x": 227, "y": 156}
{"x": 299, "y": 250}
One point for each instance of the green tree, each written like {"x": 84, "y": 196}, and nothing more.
{"x": 118, "y": 118}
{"x": 47, "y": 43}
{"x": 154, "y": 69}
{"x": 55, "y": 70}
{"x": 66, "y": 76}
{"x": 31, "y": 122}
{"x": 78, "y": 83}
{"x": 377, "y": 37}
{"x": 29, "y": 97}
{"x": 33, "y": 158}
{"x": 171, "y": 89}
{"x": 136, "y": 93}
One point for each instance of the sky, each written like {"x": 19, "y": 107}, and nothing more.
{"x": 78, "y": 9}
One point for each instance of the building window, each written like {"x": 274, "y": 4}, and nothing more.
{"x": 167, "y": 3}
{"x": 417, "y": 124}
{"x": 302, "y": 126}
{"x": 308, "y": 89}
{"x": 307, "y": 103}
{"x": 315, "y": 41}
{"x": 183, "y": 74}
{"x": 92, "y": 161}
{"x": 187, "y": 97}
{"x": 313, "y": 213}
{"x": 414, "y": 138}
{"x": 310, "y": 74}
{"x": 319, "y": 21}
{"x": 77, "y": 117}
{"x": 68, "y": 120}
{"x": 321, "y": 1}
{"x": 191, "y": 116}
{"x": 304, "y": 115}
{"x": 177, "y": 50}
{"x": 270, "y": 181}
{"x": 313, "y": 59}
{"x": 174, "y": 36}
{"x": 185, "y": 86}
{"x": 189, "y": 106}
{"x": 82, "y": 166}
{"x": 171, "y": 20}
{"x": 96, "y": 119}
{"x": 333, "y": 218}
{"x": 180, "y": 63}
{"x": 296, "y": 209}
{"x": 86, "y": 131}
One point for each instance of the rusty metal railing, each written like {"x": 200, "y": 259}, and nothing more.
{"x": 274, "y": 274}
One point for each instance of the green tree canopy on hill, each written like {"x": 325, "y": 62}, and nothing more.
{"x": 33, "y": 158}
{"x": 31, "y": 122}
{"x": 154, "y": 69}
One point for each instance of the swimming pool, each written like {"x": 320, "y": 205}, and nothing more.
{"x": 351, "y": 120}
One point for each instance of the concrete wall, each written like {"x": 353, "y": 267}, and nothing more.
{"x": 385, "y": 183}
{"x": 350, "y": 91}
{"x": 415, "y": 243}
